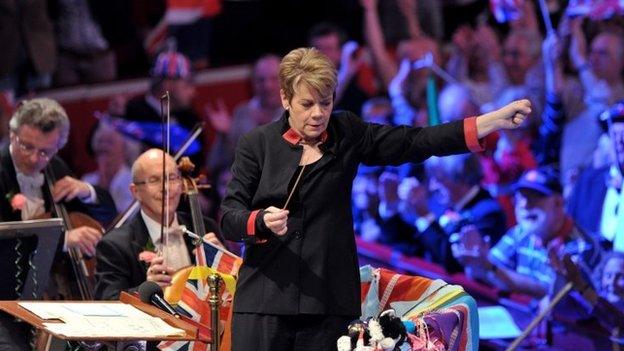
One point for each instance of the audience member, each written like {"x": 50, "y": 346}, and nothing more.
{"x": 113, "y": 153}
{"x": 84, "y": 55}
{"x": 29, "y": 47}
{"x": 356, "y": 81}
{"x": 603, "y": 300}
{"x": 600, "y": 73}
{"x": 171, "y": 73}
{"x": 596, "y": 200}
{"x": 406, "y": 85}
{"x": 520, "y": 261}
{"x": 454, "y": 184}
{"x": 265, "y": 106}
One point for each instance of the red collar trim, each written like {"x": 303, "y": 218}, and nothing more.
{"x": 294, "y": 138}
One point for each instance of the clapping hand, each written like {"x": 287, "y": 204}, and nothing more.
{"x": 219, "y": 117}
{"x": 470, "y": 248}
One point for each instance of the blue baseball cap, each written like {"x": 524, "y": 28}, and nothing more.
{"x": 544, "y": 180}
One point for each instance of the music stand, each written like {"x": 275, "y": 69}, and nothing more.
{"x": 48, "y": 232}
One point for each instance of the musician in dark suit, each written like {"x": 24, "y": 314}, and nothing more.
{"x": 126, "y": 256}
{"x": 299, "y": 285}
{"x": 38, "y": 129}
{"x": 596, "y": 202}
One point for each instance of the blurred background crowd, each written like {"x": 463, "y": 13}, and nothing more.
{"x": 508, "y": 217}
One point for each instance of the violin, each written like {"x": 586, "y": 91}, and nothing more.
{"x": 190, "y": 187}
{"x": 83, "y": 268}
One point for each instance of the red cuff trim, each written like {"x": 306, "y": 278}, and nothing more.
{"x": 251, "y": 223}
{"x": 471, "y": 135}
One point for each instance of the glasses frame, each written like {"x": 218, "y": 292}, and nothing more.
{"x": 30, "y": 150}
{"x": 171, "y": 178}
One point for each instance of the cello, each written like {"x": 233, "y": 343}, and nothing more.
{"x": 82, "y": 268}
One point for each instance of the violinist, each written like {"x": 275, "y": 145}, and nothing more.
{"x": 38, "y": 129}
{"x": 134, "y": 252}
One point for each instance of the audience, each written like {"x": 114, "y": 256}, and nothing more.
{"x": 521, "y": 262}
{"x": 264, "y": 107}
{"x": 506, "y": 216}
{"x": 596, "y": 201}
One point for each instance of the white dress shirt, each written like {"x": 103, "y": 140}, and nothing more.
{"x": 175, "y": 253}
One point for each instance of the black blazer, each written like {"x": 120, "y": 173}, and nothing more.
{"x": 314, "y": 267}
{"x": 104, "y": 211}
{"x": 483, "y": 211}
{"x": 587, "y": 199}
{"x": 117, "y": 256}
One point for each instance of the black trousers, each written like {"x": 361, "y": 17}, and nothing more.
{"x": 14, "y": 336}
{"x": 258, "y": 332}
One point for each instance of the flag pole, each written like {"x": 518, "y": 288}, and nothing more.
{"x": 214, "y": 282}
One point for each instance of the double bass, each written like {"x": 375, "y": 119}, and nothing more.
{"x": 83, "y": 268}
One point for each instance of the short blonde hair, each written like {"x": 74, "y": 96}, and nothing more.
{"x": 310, "y": 67}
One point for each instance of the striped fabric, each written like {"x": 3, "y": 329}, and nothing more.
{"x": 414, "y": 298}
{"x": 194, "y": 300}
{"x": 218, "y": 259}
{"x": 195, "y": 293}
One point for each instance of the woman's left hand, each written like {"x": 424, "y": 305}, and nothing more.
{"x": 510, "y": 116}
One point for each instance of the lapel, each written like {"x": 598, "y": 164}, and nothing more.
{"x": 140, "y": 236}
{"x": 290, "y": 155}
{"x": 9, "y": 181}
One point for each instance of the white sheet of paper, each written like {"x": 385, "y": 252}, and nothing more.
{"x": 495, "y": 322}
{"x": 100, "y": 319}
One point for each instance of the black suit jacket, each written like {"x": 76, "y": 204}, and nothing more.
{"x": 12, "y": 249}
{"x": 587, "y": 199}
{"x": 314, "y": 267}
{"x": 483, "y": 211}
{"x": 117, "y": 256}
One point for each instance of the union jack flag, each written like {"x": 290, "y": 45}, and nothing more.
{"x": 217, "y": 258}
{"x": 194, "y": 300}
{"x": 506, "y": 10}
{"x": 595, "y": 9}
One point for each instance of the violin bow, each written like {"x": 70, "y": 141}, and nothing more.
{"x": 134, "y": 206}
{"x": 165, "y": 104}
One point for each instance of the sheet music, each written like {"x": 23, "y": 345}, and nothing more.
{"x": 104, "y": 319}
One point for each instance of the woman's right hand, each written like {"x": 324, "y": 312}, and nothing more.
{"x": 276, "y": 220}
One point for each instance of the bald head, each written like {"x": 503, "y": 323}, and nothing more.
{"x": 147, "y": 184}
{"x": 150, "y": 160}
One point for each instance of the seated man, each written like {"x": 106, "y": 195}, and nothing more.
{"x": 596, "y": 202}
{"x": 126, "y": 257}
{"x": 603, "y": 300}
{"x": 521, "y": 260}
{"x": 38, "y": 129}
{"x": 454, "y": 185}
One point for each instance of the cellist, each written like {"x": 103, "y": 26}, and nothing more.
{"x": 140, "y": 240}
{"x": 38, "y": 129}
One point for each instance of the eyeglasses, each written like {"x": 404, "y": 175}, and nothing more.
{"x": 29, "y": 150}
{"x": 154, "y": 180}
